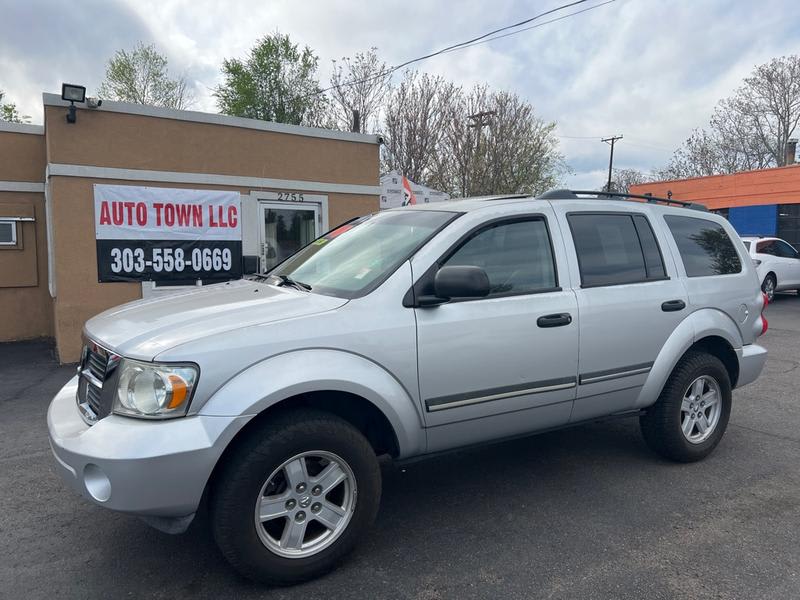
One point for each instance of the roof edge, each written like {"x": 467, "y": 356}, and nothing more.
{"x": 49, "y": 99}
{"x": 665, "y": 181}
{"x": 21, "y": 128}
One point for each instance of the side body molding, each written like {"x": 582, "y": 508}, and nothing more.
{"x": 698, "y": 325}
{"x": 274, "y": 379}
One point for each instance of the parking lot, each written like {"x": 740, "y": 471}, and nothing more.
{"x": 580, "y": 513}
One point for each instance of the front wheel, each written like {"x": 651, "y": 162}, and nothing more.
{"x": 295, "y": 496}
{"x": 690, "y": 416}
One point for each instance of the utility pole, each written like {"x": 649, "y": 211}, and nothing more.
{"x": 611, "y": 140}
{"x": 479, "y": 121}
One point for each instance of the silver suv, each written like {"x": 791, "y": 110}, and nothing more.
{"x": 404, "y": 333}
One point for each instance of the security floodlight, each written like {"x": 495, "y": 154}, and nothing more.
{"x": 72, "y": 94}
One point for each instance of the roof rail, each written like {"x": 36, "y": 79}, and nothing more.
{"x": 576, "y": 195}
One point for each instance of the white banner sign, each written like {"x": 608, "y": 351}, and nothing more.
{"x": 150, "y": 213}
{"x": 167, "y": 234}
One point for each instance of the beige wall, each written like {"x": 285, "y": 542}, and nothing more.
{"x": 79, "y": 295}
{"x": 22, "y": 157}
{"x": 140, "y": 142}
{"x": 106, "y": 139}
{"x": 25, "y": 304}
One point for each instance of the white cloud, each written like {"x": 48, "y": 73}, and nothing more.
{"x": 648, "y": 69}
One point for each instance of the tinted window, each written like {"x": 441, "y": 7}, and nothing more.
{"x": 516, "y": 256}
{"x": 652, "y": 255}
{"x": 767, "y": 248}
{"x": 746, "y": 245}
{"x": 705, "y": 247}
{"x": 610, "y": 250}
{"x": 785, "y": 250}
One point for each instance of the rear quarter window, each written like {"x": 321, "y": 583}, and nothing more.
{"x": 705, "y": 247}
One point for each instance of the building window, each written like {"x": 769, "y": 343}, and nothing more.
{"x": 789, "y": 223}
{"x": 8, "y": 233}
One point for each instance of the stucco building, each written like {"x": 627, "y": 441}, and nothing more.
{"x": 48, "y": 176}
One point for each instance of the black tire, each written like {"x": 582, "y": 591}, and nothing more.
{"x": 263, "y": 450}
{"x": 661, "y": 424}
{"x": 764, "y": 287}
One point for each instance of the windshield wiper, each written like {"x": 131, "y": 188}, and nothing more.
{"x": 286, "y": 280}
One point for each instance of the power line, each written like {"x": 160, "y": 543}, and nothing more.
{"x": 577, "y": 12}
{"x": 454, "y": 47}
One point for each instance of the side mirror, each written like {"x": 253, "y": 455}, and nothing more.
{"x": 461, "y": 282}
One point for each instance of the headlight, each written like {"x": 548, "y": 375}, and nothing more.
{"x": 152, "y": 390}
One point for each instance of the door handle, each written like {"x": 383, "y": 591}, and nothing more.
{"x": 673, "y": 305}
{"x": 557, "y": 320}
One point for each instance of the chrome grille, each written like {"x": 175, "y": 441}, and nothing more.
{"x": 96, "y": 363}
{"x": 95, "y": 370}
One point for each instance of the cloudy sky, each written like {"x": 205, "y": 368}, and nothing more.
{"x": 651, "y": 70}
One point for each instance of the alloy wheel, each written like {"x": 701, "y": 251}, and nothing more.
{"x": 769, "y": 288}
{"x": 305, "y": 504}
{"x": 701, "y": 409}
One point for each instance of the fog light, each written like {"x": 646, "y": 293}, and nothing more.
{"x": 97, "y": 483}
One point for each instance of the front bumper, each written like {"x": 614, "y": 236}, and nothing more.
{"x": 751, "y": 362}
{"x": 148, "y": 468}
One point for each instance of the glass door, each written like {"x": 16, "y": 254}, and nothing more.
{"x": 284, "y": 228}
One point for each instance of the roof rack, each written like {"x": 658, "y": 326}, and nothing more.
{"x": 576, "y": 195}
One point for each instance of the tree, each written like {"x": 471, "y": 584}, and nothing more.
{"x": 276, "y": 82}
{"x": 507, "y": 150}
{"x": 623, "y": 179}
{"x": 360, "y": 83}
{"x": 140, "y": 76}
{"x": 747, "y": 131}
{"x": 10, "y": 113}
{"x": 416, "y": 115}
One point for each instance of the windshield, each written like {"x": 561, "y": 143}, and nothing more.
{"x": 355, "y": 258}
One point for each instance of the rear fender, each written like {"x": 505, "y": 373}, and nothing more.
{"x": 700, "y": 324}
{"x": 266, "y": 383}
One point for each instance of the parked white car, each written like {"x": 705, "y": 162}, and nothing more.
{"x": 777, "y": 264}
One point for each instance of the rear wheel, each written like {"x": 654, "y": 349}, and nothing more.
{"x": 295, "y": 497}
{"x": 690, "y": 416}
{"x": 768, "y": 286}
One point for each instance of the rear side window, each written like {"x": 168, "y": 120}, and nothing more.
{"x": 615, "y": 248}
{"x": 785, "y": 250}
{"x": 705, "y": 247}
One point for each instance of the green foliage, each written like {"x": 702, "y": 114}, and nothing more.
{"x": 140, "y": 76}
{"x": 276, "y": 82}
{"x": 10, "y": 113}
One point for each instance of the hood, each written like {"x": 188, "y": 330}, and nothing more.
{"x": 145, "y": 328}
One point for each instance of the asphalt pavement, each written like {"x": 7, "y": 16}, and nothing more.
{"x": 587, "y": 512}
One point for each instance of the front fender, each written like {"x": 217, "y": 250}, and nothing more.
{"x": 270, "y": 381}
{"x": 698, "y": 325}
